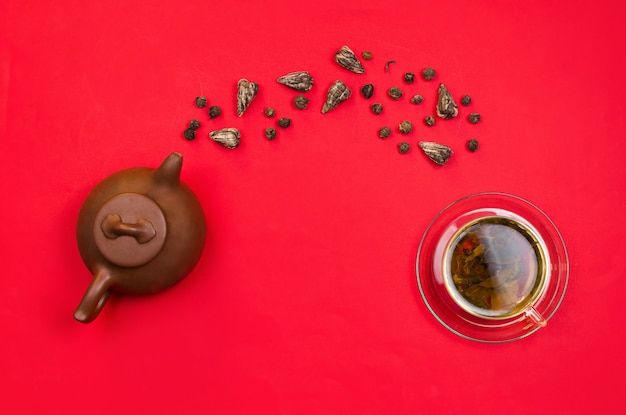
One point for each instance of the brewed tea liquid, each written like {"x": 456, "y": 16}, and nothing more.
{"x": 495, "y": 267}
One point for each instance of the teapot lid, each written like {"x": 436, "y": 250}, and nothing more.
{"x": 130, "y": 229}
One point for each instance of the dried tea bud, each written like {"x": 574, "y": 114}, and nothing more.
{"x": 384, "y": 132}
{"x": 246, "y": 91}
{"x": 367, "y": 91}
{"x": 472, "y": 145}
{"x": 337, "y": 93}
{"x": 404, "y": 147}
{"x": 417, "y": 99}
{"x": 194, "y": 124}
{"x": 438, "y": 153}
{"x": 377, "y": 108}
{"x": 446, "y": 107}
{"x": 474, "y": 117}
{"x": 301, "y": 81}
{"x": 270, "y": 133}
{"x": 284, "y": 122}
{"x": 347, "y": 59}
{"x": 466, "y": 100}
{"x": 405, "y": 127}
{"x": 395, "y": 93}
{"x": 428, "y": 73}
{"x": 228, "y": 137}
{"x": 301, "y": 102}
{"x": 387, "y": 65}
{"x": 409, "y": 77}
{"x": 201, "y": 102}
{"x": 269, "y": 112}
{"x": 429, "y": 120}
{"x": 189, "y": 134}
{"x": 367, "y": 55}
{"x": 214, "y": 111}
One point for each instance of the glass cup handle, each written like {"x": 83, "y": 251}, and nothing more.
{"x": 534, "y": 319}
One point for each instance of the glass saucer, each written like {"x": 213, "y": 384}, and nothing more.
{"x": 438, "y": 237}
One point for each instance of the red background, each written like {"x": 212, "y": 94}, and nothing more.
{"x": 305, "y": 300}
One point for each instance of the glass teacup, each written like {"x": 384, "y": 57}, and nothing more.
{"x": 492, "y": 267}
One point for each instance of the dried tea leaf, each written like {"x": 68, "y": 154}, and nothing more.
{"x": 189, "y": 134}
{"x": 405, "y": 127}
{"x": 337, "y": 93}
{"x": 438, "y": 153}
{"x": 301, "y": 102}
{"x": 417, "y": 99}
{"x": 474, "y": 117}
{"x": 394, "y": 93}
{"x": 214, "y": 111}
{"x": 284, "y": 122}
{"x": 348, "y": 60}
{"x": 446, "y": 107}
{"x": 403, "y": 147}
{"x": 367, "y": 91}
{"x": 384, "y": 132}
{"x": 428, "y": 73}
{"x": 472, "y": 145}
{"x": 270, "y": 133}
{"x": 377, "y": 108}
{"x": 246, "y": 91}
{"x": 300, "y": 81}
{"x": 228, "y": 137}
{"x": 201, "y": 102}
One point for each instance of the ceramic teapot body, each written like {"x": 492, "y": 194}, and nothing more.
{"x": 139, "y": 231}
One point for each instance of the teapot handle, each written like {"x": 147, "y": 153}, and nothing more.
{"x": 95, "y": 297}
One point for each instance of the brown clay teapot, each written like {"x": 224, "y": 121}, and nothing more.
{"x": 139, "y": 231}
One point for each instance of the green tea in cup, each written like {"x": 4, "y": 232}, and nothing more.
{"x": 495, "y": 267}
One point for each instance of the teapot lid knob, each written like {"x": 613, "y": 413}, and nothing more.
{"x": 130, "y": 229}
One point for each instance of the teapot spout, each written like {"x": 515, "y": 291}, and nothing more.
{"x": 169, "y": 171}
{"x": 96, "y": 296}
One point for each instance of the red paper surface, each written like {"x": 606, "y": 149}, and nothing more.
{"x": 305, "y": 300}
